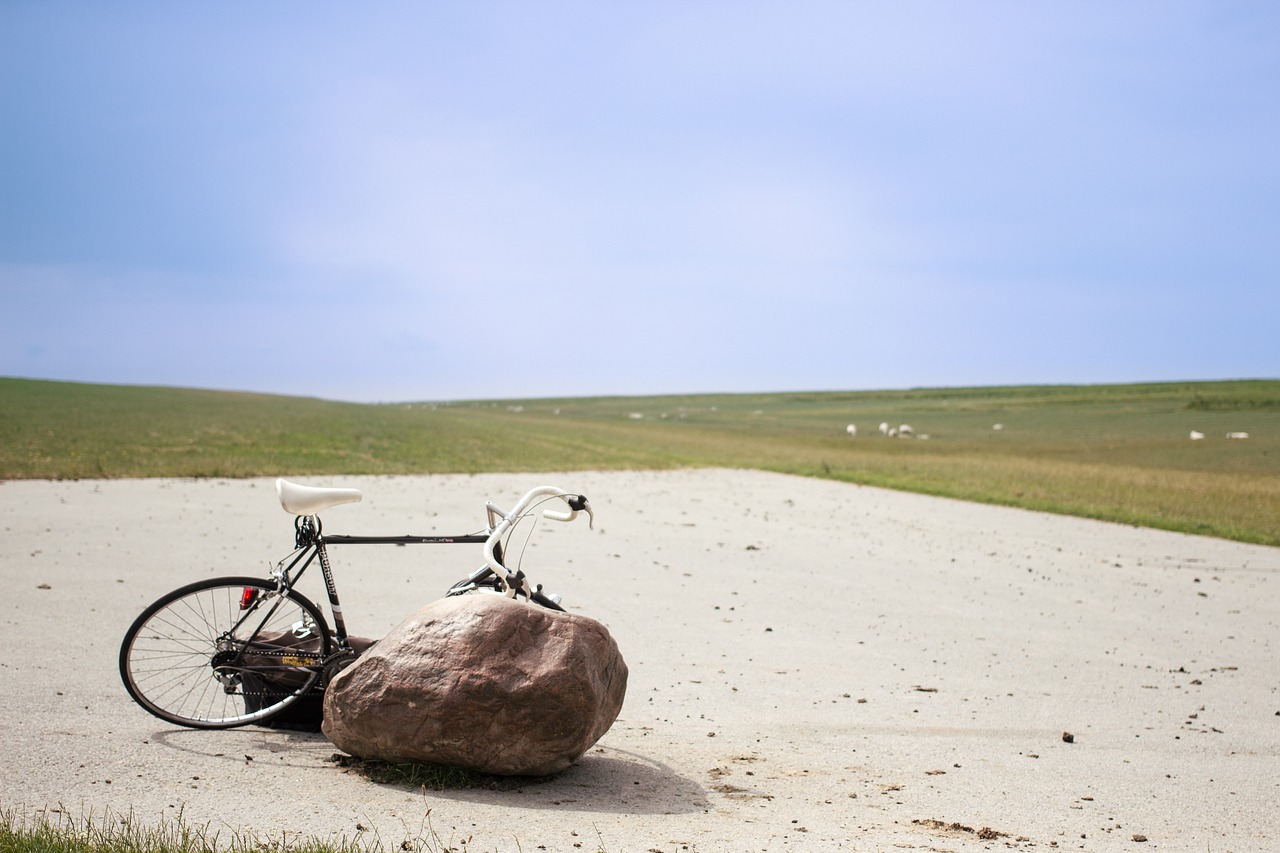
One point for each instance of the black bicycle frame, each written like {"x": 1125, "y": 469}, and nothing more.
{"x": 315, "y": 544}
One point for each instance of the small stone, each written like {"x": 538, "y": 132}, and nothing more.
{"x": 1068, "y": 737}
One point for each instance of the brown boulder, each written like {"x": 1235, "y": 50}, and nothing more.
{"x": 484, "y": 682}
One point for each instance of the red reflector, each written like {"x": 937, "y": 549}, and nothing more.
{"x": 248, "y": 597}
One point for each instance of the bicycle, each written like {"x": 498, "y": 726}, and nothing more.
{"x": 231, "y": 651}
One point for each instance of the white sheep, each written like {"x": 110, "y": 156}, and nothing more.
{"x": 884, "y": 427}
{"x": 1196, "y": 436}
{"x": 905, "y": 431}
{"x": 1237, "y": 435}
{"x": 852, "y": 430}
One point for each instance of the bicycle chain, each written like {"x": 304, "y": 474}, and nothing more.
{"x": 318, "y": 658}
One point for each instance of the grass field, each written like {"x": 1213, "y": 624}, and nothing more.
{"x": 1114, "y": 452}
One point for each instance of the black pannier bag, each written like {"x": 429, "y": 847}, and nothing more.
{"x": 269, "y": 676}
{"x": 272, "y": 673}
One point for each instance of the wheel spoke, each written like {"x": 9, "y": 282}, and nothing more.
{"x": 190, "y": 658}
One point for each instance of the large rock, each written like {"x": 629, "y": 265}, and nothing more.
{"x": 484, "y": 682}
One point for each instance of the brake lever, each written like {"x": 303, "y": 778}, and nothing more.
{"x": 579, "y": 503}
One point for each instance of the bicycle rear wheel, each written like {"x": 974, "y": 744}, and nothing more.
{"x": 224, "y": 652}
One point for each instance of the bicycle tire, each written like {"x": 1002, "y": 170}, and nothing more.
{"x": 199, "y": 658}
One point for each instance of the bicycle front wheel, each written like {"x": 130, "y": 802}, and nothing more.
{"x": 224, "y": 652}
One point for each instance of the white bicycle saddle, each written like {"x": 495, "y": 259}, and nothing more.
{"x": 309, "y": 500}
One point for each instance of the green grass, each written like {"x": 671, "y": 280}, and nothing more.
{"x": 1113, "y": 452}
{"x": 429, "y": 777}
{"x": 55, "y": 831}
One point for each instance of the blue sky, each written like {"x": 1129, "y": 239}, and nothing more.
{"x": 450, "y": 200}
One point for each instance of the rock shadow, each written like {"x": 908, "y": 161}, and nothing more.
{"x": 604, "y": 780}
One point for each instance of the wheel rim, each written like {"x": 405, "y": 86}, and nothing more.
{"x": 185, "y": 661}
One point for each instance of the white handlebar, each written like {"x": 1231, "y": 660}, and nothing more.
{"x": 509, "y": 519}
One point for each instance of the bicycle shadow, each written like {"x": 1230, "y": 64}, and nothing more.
{"x": 606, "y": 779}
{"x": 290, "y": 748}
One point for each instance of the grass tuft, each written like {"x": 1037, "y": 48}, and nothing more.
{"x": 429, "y": 777}
{"x": 56, "y": 831}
